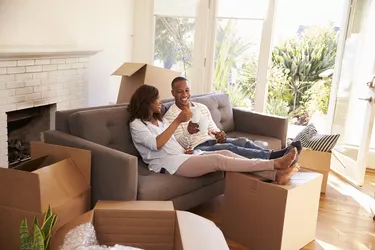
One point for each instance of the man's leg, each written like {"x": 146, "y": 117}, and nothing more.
{"x": 244, "y": 142}
{"x": 245, "y": 152}
{"x": 207, "y": 146}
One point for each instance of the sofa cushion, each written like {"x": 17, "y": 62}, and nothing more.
{"x": 108, "y": 127}
{"x": 273, "y": 143}
{"x": 166, "y": 187}
{"x": 219, "y": 106}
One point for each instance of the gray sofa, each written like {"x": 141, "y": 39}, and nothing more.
{"x": 118, "y": 172}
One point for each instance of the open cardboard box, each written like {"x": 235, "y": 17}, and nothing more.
{"x": 263, "y": 215}
{"x": 149, "y": 225}
{"x": 135, "y": 75}
{"x": 318, "y": 162}
{"x": 57, "y": 176}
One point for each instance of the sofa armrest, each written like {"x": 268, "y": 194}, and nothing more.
{"x": 260, "y": 124}
{"x": 114, "y": 174}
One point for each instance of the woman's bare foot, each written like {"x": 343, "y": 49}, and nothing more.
{"x": 283, "y": 176}
{"x": 285, "y": 161}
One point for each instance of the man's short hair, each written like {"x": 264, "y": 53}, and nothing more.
{"x": 177, "y": 79}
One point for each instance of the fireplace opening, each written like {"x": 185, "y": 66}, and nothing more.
{"x": 24, "y": 126}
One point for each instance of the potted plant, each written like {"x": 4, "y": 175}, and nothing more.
{"x": 41, "y": 237}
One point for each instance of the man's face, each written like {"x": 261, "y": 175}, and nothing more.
{"x": 181, "y": 93}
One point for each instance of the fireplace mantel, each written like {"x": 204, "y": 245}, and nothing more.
{"x": 25, "y": 52}
{"x": 33, "y": 76}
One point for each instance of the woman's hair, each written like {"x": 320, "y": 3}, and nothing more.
{"x": 140, "y": 103}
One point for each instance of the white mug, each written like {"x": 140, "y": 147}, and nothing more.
{"x": 196, "y": 114}
{"x": 203, "y": 125}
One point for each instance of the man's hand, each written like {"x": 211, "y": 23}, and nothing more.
{"x": 193, "y": 128}
{"x": 189, "y": 151}
{"x": 220, "y": 136}
{"x": 184, "y": 116}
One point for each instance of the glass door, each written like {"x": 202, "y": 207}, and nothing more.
{"x": 354, "y": 104}
{"x": 239, "y": 27}
{"x": 175, "y": 24}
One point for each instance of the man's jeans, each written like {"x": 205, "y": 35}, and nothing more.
{"x": 240, "y": 146}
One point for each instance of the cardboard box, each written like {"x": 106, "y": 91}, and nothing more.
{"x": 318, "y": 162}
{"x": 147, "y": 225}
{"x": 135, "y": 75}
{"x": 262, "y": 215}
{"x": 55, "y": 175}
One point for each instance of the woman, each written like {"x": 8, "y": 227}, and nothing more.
{"x": 153, "y": 137}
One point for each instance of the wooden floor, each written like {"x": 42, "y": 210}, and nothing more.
{"x": 344, "y": 221}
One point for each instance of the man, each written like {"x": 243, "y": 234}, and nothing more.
{"x": 189, "y": 136}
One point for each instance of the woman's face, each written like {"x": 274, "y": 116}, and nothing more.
{"x": 155, "y": 107}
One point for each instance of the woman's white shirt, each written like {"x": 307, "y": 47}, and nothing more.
{"x": 170, "y": 156}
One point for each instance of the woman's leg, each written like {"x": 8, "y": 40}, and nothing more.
{"x": 227, "y": 161}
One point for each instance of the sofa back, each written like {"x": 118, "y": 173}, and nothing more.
{"x": 109, "y": 125}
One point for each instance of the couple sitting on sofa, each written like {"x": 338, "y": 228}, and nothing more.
{"x": 168, "y": 142}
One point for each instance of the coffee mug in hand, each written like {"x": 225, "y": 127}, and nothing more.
{"x": 195, "y": 114}
{"x": 203, "y": 125}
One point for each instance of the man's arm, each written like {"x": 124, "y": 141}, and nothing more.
{"x": 211, "y": 124}
{"x": 212, "y": 128}
{"x": 181, "y": 134}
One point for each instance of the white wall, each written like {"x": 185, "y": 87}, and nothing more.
{"x": 87, "y": 24}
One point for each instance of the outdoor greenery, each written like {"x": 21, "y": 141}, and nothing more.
{"x": 295, "y": 87}
{"x": 174, "y": 42}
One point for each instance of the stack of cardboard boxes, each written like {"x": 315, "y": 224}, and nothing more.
{"x": 57, "y": 176}
{"x": 60, "y": 177}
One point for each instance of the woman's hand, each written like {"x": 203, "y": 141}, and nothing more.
{"x": 164, "y": 137}
{"x": 184, "y": 116}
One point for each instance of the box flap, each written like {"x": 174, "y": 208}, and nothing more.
{"x": 19, "y": 190}
{"x": 59, "y": 183}
{"x": 57, "y": 240}
{"x": 142, "y": 224}
{"x": 315, "y": 160}
{"x": 80, "y": 157}
{"x": 128, "y": 69}
{"x": 135, "y": 205}
{"x": 32, "y": 165}
{"x": 199, "y": 233}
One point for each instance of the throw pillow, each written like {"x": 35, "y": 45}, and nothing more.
{"x": 310, "y": 138}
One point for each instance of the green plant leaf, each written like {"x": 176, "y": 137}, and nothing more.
{"x": 47, "y": 241}
{"x": 25, "y": 238}
{"x": 48, "y": 213}
{"x": 47, "y": 225}
{"x": 36, "y": 222}
{"x": 38, "y": 243}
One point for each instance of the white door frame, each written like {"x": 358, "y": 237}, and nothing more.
{"x": 338, "y": 63}
{"x": 354, "y": 170}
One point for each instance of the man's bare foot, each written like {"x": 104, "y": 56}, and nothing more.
{"x": 283, "y": 176}
{"x": 285, "y": 161}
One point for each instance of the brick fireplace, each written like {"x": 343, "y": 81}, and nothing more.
{"x": 46, "y": 80}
